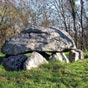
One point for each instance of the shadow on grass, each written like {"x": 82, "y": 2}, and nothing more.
{"x": 1, "y": 57}
{"x": 86, "y": 56}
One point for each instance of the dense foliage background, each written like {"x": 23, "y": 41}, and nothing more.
{"x": 69, "y": 15}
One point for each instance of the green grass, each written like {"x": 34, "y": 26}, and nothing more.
{"x": 85, "y": 53}
{"x": 52, "y": 75}
{"x": 2, "y": 55}
{"x": 28, "y": 54}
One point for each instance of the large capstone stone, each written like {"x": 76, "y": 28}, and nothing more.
{"x": 34, "y": 61}
{"x": 14, "y": 62}
{"x": 59, "y": 57}
{"x": 39, "y": 39}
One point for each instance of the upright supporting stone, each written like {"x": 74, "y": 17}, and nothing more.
{"x": 34, "y": 61}
{"x": 14, "y": 62}
{"x": 59, "y": 57}
{"x": 75, "y": 55}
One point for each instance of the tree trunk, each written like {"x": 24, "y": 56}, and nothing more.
{"x": 81, "y": 22}
{"x": 73, "y": 12}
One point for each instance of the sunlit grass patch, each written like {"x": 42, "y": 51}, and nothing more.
{"x": 2, "y": 55}
{"x": 53, "y": 75}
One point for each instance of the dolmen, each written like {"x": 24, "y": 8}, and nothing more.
{"x": 38, "y": 41}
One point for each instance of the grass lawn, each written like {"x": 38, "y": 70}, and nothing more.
{"x": 52, "y": 75}
{"x": 2, "y": 55}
